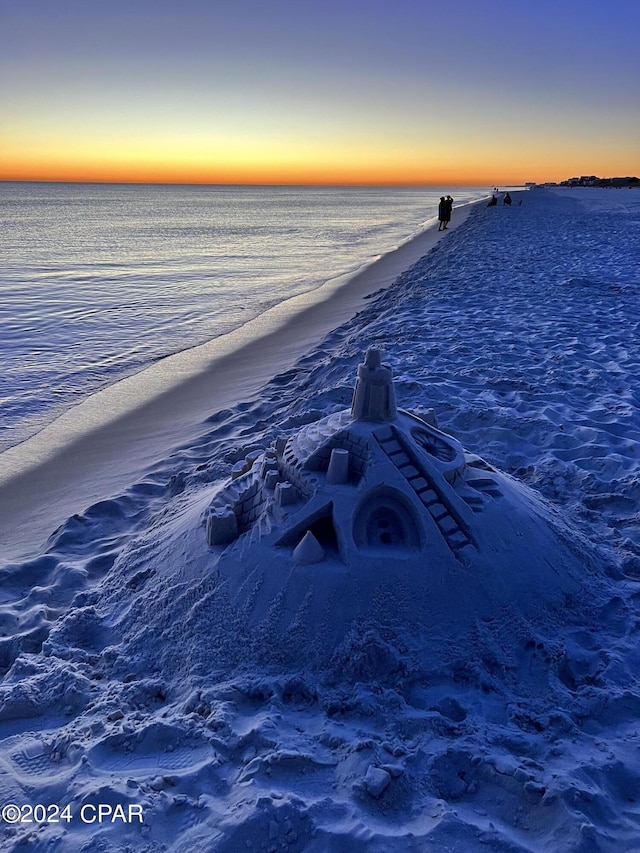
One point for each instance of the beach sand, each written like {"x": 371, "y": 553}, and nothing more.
{"x": 128, "y": 682}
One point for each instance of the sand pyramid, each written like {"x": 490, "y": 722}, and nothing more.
{"x": 372, "y": 515}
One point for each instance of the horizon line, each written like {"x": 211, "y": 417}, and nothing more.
{"x": 256, "y": 183}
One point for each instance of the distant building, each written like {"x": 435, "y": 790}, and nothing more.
{"x": 594, "y": 181}
{"x": 590, "y": 181}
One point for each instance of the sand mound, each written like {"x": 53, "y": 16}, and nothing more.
{"x": 372, "y": 518}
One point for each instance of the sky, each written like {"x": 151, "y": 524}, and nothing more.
{"x": 415, "y": 92}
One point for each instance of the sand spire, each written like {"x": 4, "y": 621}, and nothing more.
{"x": 374, "y": 397}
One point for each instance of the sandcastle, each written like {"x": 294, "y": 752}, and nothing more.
{"x": 374, "y": 508}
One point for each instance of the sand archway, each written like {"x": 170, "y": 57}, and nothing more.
{"x": 384, "y": 520}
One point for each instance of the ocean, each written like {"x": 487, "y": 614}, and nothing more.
{"x": 99, "y": 281}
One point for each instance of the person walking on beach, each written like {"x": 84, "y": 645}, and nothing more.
{"x": 442, "y": 213}
{"x": 449, "y": 203}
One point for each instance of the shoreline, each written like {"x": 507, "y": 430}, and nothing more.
{"x": 83, "y": 456}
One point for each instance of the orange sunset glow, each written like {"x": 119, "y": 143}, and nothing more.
{"x": 352, "y": 100}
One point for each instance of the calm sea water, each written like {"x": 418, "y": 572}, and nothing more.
{"x": 100, "y": 280}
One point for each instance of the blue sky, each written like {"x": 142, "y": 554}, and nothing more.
{"x": 402, "y": 91}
